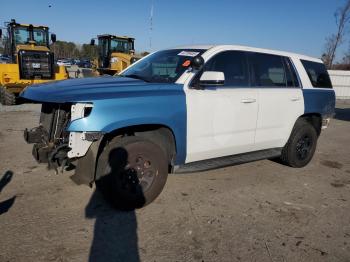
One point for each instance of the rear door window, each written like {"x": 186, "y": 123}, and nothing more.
{"x": 317, "y": 73}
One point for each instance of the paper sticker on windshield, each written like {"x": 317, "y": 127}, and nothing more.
{"x": 186, "y": 63}
{"x": 188, "y": 53}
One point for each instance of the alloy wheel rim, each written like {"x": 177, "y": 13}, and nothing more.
{"x": 138, "y": 174}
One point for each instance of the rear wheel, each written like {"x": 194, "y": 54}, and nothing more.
{"x": 7, "y": 98}
{"x": 132, "y": 172}
{"x": 301, "y": 145}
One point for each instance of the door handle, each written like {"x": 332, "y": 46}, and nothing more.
{"x": 248, "y": 100}
{"x": 296, "y": 98}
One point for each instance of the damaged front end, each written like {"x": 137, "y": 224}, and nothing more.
{"x": 53, "y": 143}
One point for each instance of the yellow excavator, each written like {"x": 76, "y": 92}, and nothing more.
{"x": 115, "y": 53}
{"x": 30, "y": 60}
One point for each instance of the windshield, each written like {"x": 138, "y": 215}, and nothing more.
{"x": 40, "y": 36}
{"x": 22, "y": 36}
{"x": 163, "y": 66}
{"x": 120, "y": 45}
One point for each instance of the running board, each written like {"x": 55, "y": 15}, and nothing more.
{"x": 225, "y": 161}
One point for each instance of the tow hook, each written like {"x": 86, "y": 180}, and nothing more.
{"x": 35, "y": 135}
{"x": 58, "y": 158}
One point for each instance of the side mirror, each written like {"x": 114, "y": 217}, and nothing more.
{"x": 197, "y": 63}
{"x": 0, "y": 33}
{"x": 92, "y": 42}
{"x": 53, "y": 38}
{"x": 212, "y": 78}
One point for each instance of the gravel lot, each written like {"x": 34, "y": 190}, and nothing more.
{"x": 260, "y": 211}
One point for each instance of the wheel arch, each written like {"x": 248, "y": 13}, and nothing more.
{"x": 315, "y": 119}
{"x": 289, "y": 151}
{"x": 159, "y": 134}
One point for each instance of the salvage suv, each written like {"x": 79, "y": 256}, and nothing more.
{"x": 182, "y": 110}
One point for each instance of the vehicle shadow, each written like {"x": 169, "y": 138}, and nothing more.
{"x": 115, "y": 232}
{"x": 7, "y": 204}
{"x": 342, "y": 114}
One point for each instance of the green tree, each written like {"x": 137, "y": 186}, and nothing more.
{"x": 342, "y": 19}
{"x": 63, "y": 49}
{"x": 88, "y": 51}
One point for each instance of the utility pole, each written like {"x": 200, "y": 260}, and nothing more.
{"x": 151, "y": 26}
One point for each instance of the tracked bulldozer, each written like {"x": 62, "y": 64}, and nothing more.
{"x": 30, "y": 59}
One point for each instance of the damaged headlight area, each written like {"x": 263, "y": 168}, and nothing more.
{"x": 53, "y": 144}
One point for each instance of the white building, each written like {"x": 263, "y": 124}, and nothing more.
{"x": 341, "y": 83}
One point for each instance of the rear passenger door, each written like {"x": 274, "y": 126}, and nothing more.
{"x": 280, "y": 98}
{"x": 221, "y": 120}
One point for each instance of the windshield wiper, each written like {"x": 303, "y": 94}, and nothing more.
{"x": 135, "y": 77}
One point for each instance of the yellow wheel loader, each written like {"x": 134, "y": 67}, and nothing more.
{"x": 30, "y": 60}
{"x": 115, "y": 53}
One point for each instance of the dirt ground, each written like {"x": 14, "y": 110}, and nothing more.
{"x": 260, "y": 211}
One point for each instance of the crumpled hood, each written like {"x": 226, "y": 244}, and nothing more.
{"x": 88, "y": 89}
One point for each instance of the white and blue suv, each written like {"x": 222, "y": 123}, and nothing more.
{"x": 185, "y": 109}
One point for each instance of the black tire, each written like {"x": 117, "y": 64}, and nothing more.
{"x": 7, "y": 98}
{"x": 131, "y": 172}
{"x": 301, "y": 145}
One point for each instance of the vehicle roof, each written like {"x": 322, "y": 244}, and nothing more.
{"x": 251, "y": 49}
{"x": 27, "y": 25}
{"x": 115, "y": 36}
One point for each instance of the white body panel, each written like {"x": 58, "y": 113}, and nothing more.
{"x": 279, "y": 108}
{"x": 77, "y": 142}
{"x": 219, "y": 122}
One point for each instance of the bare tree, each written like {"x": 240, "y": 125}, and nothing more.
{"x": 342, "y": 18}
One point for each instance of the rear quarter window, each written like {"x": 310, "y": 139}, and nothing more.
{"x": 317, "y": 73}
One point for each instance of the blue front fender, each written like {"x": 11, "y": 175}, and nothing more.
{"x": 162, "y": 108}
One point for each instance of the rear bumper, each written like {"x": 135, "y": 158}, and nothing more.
{"x": 325, "y": 122}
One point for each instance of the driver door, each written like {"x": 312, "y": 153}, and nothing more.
{"x": 221, "y": 120}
